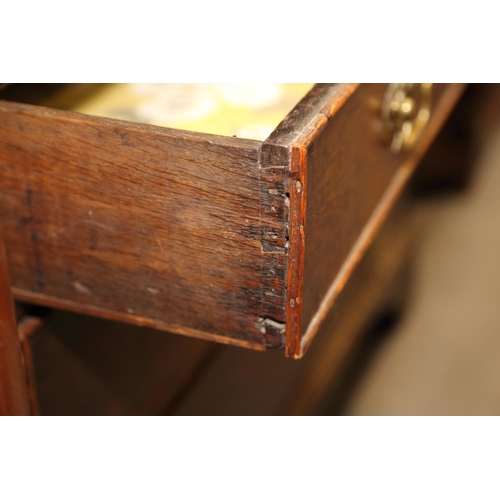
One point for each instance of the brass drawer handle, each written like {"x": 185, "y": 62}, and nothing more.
{"x": 406, "y": 110}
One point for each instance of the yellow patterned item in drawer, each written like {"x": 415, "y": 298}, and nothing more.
{"x": 250, "y": 111}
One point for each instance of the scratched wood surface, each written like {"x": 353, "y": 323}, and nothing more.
{"x": 351, "y": 170}
{"x": 234, "y": 240}
{"x": 241, "y": 382}
{"x": 143, "y": 224}
{"x": 343, "y": 181}
{"x": 79, "y": 365}
{"x": 286, "y": 147}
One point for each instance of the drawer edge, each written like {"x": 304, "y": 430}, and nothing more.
{"x": 99, "y": 312}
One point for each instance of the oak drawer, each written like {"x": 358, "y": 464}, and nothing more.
{"x": 241, "y": 241}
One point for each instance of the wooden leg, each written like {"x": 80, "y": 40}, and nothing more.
{"x": 13, "y": 386}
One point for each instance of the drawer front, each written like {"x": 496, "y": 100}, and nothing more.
{"x": 350, "y": 168}
{"x": 353, "y": 179}
{"x": 343, "y": 181}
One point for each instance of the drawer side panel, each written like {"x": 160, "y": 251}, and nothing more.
{"x": 139, "y": 223}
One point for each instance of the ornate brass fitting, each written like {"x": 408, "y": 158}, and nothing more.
{"x": 406, "y": 109}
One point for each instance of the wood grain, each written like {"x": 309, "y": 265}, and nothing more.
{"x": 220, "y": 238}
{"x": 343, "y": 181}
{"x": 241, "y": 382}
{"x": 367, "y": 295}
{"x": 144, "y": 224}
{"x": 13, "y": 388}
{"x": 279, "y": 150}
{"x": 361, "y": 186}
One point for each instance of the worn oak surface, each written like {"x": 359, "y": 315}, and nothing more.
{"x": 343, "y": 182}
{"x": 13, "y": 388}
{"x": 241, "y": 382}
{"x": 286, "y": 147}
{"x": 227, "y": 239}
{"x": 143, "y": 224}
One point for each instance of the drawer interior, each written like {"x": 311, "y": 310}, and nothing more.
{"x": 248, "y": 111}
